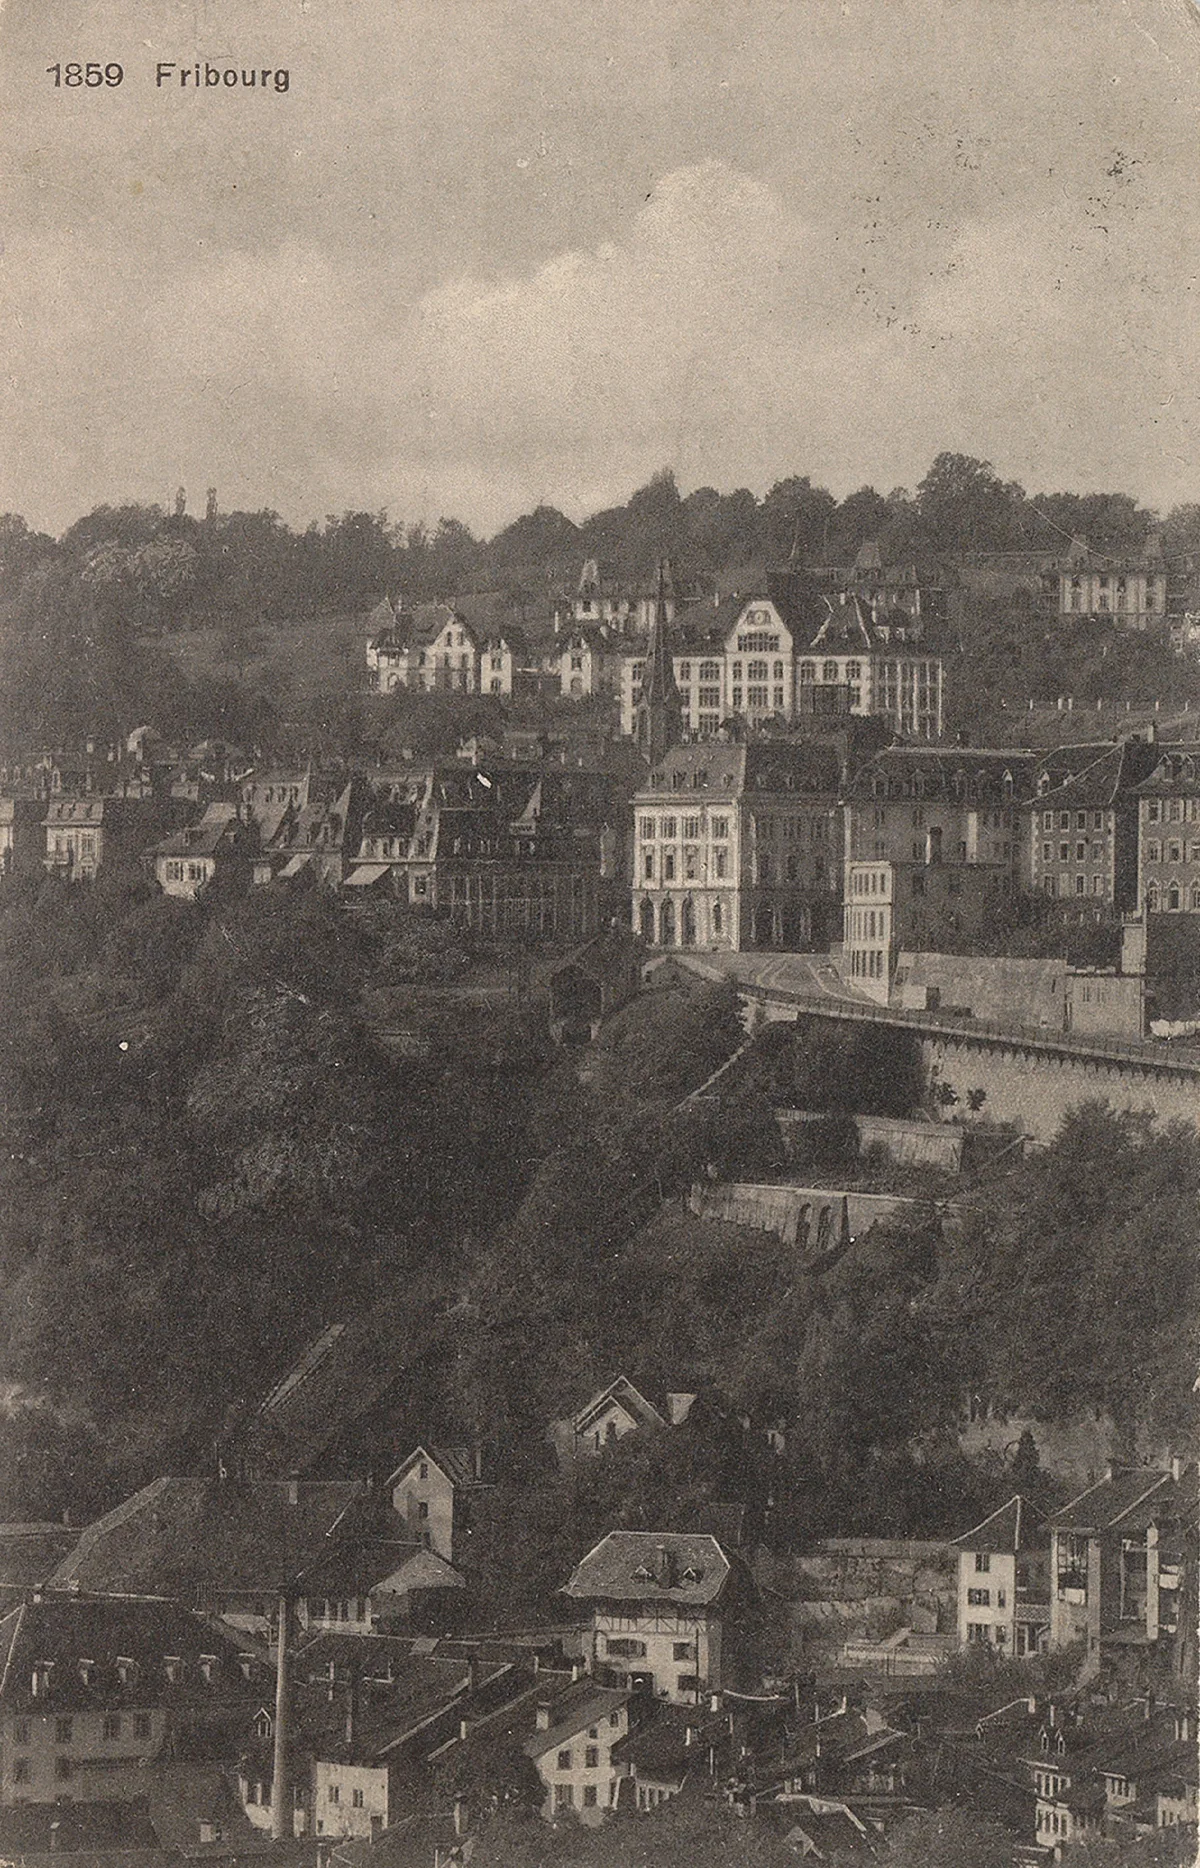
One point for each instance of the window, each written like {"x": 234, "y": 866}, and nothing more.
{"x": 564, "y": 1796}
{"x": 141, "y": 1725}
{"x": 591, "y": 1758}
{"x": 20, "y": 1731}
{"x": 62, "y": 1769}
{"x": 356, "y": 1799}
{"x": 668, "y": 865}
{"x": 1047, "y": 820}
{"x": 977, "y": 1631}
{"x": 646, "y": 828}
{"x": 983, "y": 1562}
{"x": 335, "y": 1793}
{"x": 720, "y": 828}
{"x": 422, "y": 1509}
{"x": 668, "y": 828}
{"x": 648, "y": 866}
{"x": 1153, "y": 852}
{"x": 20, "y": 1770}
{"x": 1064, "y": 852}
{"x": 979, "y": 1598}
{"x": 1152, "y": 810}
{"x": 63, "y": 1731}
{"x": 564, "y": 1760}
{"x": 691, "y": 827}
{"x": 681, "y": 1650}
{"x": 589, "y": 1796}
{"x": 1047, "y": 852}
{"x": 111, "y": 1725}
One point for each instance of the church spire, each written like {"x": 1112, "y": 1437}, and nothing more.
{"x": 659, "y": 719}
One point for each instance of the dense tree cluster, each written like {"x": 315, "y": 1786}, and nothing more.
{"x": 208, "y": 1157}
{"x": 80, "y": 616}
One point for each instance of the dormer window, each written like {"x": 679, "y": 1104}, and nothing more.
{"x": 642, "y": 1574}
{"x": 692, "y": 1574}
{"x": 127, "y": 1670}
{"x": 208, "y": 1668}
{"x": 173, "y": 1668}
{"x": 87, "y": 1672}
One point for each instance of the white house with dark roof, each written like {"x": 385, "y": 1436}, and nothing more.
{"x": 1119, "y": 1556}
{"x": 429, "y": 1492}
{"x": 1003, "y": 1588}
{"x": 572, "y": 1749}
{"x": 89, "y": 1683}
{"x": 603, "y": 1419}
{"x": 658, "y": 1602}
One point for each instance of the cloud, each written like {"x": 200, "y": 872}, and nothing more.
{"x": 726, "y": 332}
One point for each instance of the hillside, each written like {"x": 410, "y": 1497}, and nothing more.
{"x": 208, "y": 1161}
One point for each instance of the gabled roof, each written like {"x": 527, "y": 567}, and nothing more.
{"x": 678, "y": 1567}
{"x": 573, "y": 1710}
{"x": 177, "y": 1536}
{"x": 457, "y": 1463}
{"x": 1016, "y": 1526}
{"x": 1118, "y": 1496}
{"x": 623, "y": 1391}
{"x": 28, "y": 1553}
{"x": 1092, "y": 776}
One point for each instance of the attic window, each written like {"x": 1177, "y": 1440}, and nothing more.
{"x": 208, "y": 1666}
{"x": 87, "y": 1671}
{"x": 173, "y": 1668}
{"x": 692, "y": 1574}
{"x": 127, "y": 1669}
{"x": 642, "y": 1574}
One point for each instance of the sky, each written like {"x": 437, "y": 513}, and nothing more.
{"x": 482, "y": 254}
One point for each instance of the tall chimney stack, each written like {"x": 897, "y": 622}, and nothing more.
{"x": 281, "y": 1815}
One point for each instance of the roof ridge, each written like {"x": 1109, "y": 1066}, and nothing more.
{"x": 112, "y": 1520}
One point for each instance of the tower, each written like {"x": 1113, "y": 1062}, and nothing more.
{"x": 658, "y": 720}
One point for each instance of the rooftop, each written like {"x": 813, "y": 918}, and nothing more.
{"x": 684, "y": 1568}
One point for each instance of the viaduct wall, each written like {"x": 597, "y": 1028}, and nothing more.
{"x": 1029, "y": 1080}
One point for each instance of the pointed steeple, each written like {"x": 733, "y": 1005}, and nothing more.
{"x": 658, "y": 722}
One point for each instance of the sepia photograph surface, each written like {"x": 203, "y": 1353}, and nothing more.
{"x": 599, "y": 933}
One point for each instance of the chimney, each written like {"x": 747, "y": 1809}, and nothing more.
{"x": 543, "y": 1715}
{"x": 576, "y": 1670}
{"x": 460, "y": 1816}
{"x": 662, "y": 1566}
{"x": 352, "y": 1705}
{"x": 54, "y": 1828}
{"x": 1176, "y": 1468}
{"x": 689, "y": 1735}
{"x": 293, "y": 1492}
{"x": 472, "y": 1672}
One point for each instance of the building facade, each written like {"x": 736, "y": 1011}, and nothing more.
{"x": 1003, "y": 1588}
{"x": 1083, "y": 827}
{"x": 738, "y": 847}
{"x": 1168, "y": 834}
{"x": 657, "y": 1601}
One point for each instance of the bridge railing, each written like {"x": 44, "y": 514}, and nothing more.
{"x": 1074, "y": 1045}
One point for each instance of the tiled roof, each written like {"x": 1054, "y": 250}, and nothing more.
{"x": 67, "y": 1828}
{"x": 662, "y": 1566}
{"x": 573, "y": 1710}
{"x": 177, "y": 1536}
{"x": 1092, "y": 776}
{"x": 457, "y": 1462}
{"x": 1104, "y": 1503}
{"x": 28, "y": 1553}
{"x": 1016, "y": 1526}
{"x": 76, "y": 1647}
{"x": 627, "y": 1395}
{"x": 958, "y": 773}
